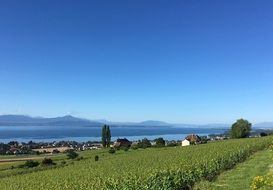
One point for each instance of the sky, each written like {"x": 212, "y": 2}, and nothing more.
{"x": 184, "y": 61}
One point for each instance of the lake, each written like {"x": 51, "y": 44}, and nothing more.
{"x": 81, "y": 134}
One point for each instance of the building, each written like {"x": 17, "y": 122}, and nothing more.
{"x": 185, "y": 142}
{"x": 191, "y": 139}
{"x": 122, "y": 143}
{"x": 194, "y": 139}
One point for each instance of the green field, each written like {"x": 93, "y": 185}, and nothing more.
{"x": 153, "y": 168}
{"x": 242, "y": 175}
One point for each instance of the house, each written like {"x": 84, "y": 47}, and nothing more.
{"x": 153, "y": 143}
{"x": 122, "y": 143}
{"x": 96, "y": 146}
{"x": 185, "y": 142}
{"x": 194, "y": 139}
{"x": 191, "y": 139}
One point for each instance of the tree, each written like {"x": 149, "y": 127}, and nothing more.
{"x": 13, "y": 143}
{"x": 108, "y": 136}
{"x": 160, "y": 142}
{"x": 103, "y": 136}
{"x": 144, "y": 143}
{"x": 263, "y": 134}
{"x": 240, "y": 129}
{"x": 4, "y": 148}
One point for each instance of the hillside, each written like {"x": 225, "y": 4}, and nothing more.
{"x": 151, "y": 168}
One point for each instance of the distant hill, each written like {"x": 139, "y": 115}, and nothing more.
{"x": 154, "y": 123}
{"x": 22, "y": 120}
{"x": 263, "y": 125}
{"x": 68, "y": 120}
{"x": 148, "y": 123}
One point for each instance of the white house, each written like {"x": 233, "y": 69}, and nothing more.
{"x": 185, "y": 142}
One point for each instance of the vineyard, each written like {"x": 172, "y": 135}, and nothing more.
{"x": 153, "y": 168}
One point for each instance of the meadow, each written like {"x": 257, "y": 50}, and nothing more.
{"x": 151, "y": 168}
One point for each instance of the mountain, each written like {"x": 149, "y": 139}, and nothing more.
{"x": 68, "y": 120}
{"x": 154, "y": 123}
{"x": 22, "y": 120}
{"x": 263, "y": 125}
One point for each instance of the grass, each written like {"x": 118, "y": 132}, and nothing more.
{"x": 241, "y": 176}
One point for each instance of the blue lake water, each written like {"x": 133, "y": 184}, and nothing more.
{"x": 81, "y": 134}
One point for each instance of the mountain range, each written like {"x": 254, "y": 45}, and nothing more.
{"x": 22, "y": 120}
{"x": 68, "y": 120}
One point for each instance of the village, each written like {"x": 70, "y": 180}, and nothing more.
{"x": 16, "y": 148}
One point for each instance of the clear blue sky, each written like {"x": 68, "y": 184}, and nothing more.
{"x": 187, "y": 61}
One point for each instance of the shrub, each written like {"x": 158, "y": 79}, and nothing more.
{"x": 134, "y": 147}
{"x": 48, "y": 162}
{"x": 79, "y": 158}
{"x": 96, "y": 158}
{"x": 72, "y": 154}
{"x": 172, "y": 144}
{"x": 117, "y": 148}
{"x": 63, "y": 162}
{"x": 29, "y": 164}
{"x": 263, "y": 134}
{"x": 112, "y": 151}
{"x": 262, "y": 182}
{"x": 125, "y": 148}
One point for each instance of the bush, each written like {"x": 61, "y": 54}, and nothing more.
{"x": 63, "y": 162}
{"x": 172, "y": 144}
{"x": 79, "y": 158}
{"x": 96, "y": 158}
{"x": 72, "y": 154}
{"x": 263, "y": 134}
{"x": 125, "y": 148}
{"x": 262, "y": 182}
{"x": 134, "y": 147}
{"x": 48, "y": 162}
{"x": 159, "y": 142}
{"x": 144, "y": 143}
{"x": 29, "y": 164}
{"x": 112, "y": 151}
{"x": 117, "y": 148}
